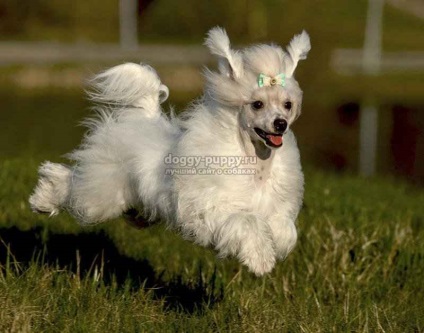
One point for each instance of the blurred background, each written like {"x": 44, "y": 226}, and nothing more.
{"x": 363, "y": 83}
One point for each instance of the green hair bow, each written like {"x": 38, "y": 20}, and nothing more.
{"x": 268, "y": 81}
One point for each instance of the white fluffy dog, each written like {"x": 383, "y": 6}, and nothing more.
{"x": 219, "y": 173}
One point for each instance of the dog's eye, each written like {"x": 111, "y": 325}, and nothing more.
{"x": 257, "y": 105}
{"x": 288, "y": 105}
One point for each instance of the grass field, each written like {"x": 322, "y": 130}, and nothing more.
{"x": 358, "y": 267}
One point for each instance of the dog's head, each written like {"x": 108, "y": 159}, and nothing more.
{"x": 258, "y": 82}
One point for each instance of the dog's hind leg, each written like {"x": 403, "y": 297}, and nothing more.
{"x": 100, "y": 191}
{"x": 93, "y": 194}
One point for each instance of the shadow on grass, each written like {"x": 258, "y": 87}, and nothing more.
{"x": 84, "y": 253}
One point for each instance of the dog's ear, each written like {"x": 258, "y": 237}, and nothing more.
{"x": 297, "y": 50}
{"x": 230, "y": 61}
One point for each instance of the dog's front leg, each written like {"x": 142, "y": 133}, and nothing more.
{"x": 249, "y": 238}
{"x": 284, "y": 234}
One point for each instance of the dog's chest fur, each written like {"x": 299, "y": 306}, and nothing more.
{"x": 263, "y": 192}
{"x": 262, "y": 171}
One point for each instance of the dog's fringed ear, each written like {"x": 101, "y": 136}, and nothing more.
{"x": 230, "y": 61}
{"x": 298, "y": 50}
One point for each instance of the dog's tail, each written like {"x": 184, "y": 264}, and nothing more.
{"x": 129, "y": 86}
{"x": 52, "y": 190}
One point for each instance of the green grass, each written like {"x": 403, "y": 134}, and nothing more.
{"x": 358, "y": 266}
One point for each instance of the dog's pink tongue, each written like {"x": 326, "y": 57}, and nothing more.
{"x": 277, "y": 140}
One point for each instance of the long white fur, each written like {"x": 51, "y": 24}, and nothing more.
{"x": 298, "y": 49}
{"x": 120, "y": 85}
{"x": 121, "y": 162}
{"x": 218, "y": 43}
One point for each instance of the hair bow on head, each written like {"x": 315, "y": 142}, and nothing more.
{"x": 268, "y": 81}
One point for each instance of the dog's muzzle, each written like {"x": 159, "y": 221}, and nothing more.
{"x": 274, "y": 140}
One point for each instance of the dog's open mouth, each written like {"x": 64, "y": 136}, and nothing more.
{"x": 271, "y": 139}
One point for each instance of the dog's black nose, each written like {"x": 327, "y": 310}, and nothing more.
{"x": 280, "y": 125}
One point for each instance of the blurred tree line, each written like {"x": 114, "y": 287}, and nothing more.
{"x": 62, "y": 20}
{"x": 334, "y": 22}
{"x": 97, "y": 20}
{"x": 171, "y": 20}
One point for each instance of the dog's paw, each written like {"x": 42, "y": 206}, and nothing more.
{"x": 284, "y": 238}
{"x": 260, "y": 260}
{"x": 43, "y": 200}
{"x": 248, "y": 238}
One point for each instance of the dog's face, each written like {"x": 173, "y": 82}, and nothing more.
{"x": 258, "y": 82}
{"x": 269, "y": 113}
